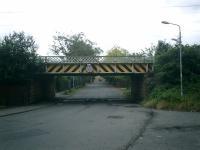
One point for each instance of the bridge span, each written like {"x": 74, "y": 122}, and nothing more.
{"x": 97, "y": 65}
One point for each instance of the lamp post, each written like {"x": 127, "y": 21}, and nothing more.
{"x": 180, "y": 47}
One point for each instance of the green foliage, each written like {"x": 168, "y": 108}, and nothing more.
{"x": 118, "y": 51}
{"x": 162, "y": 93}
{"x": 67, "y": 83}
{"x": 76, "y": 45}
{"x": 166, "y": 65}
{"x": 164, "y": 83}
{"x": 191, "y": 63}
{"x": 127, "y": 93}
{"x": 18, "y": 58}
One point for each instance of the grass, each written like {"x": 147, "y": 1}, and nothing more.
{"x": 170, "y": 99}
{"x": 126, "y": 92}
{"x": 183, "y": 105}
{"x": 71, "y": 91}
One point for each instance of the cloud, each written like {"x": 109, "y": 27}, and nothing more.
{"x": 130, "y": 24}
{"x": 191, "y": 6}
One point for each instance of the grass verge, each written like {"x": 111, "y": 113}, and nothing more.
{"x": 126, "y": 92}
{"x": 169, "y": 99}
{"x": 71, "y": 91}
{"x": 183, "y": 105}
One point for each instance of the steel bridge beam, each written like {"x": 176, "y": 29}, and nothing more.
{"x": 97, "y": 64}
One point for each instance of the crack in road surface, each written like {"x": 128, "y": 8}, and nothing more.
{"x": 134, "y": 139}
{"x": 179, "y": 128}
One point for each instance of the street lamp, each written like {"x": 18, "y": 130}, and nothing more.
{"x": 180, "y": 47}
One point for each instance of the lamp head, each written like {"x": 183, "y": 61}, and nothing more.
{"x": 177, "y": 40}
{"x": 165, "y": 22}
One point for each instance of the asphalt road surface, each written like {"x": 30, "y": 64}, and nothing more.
{"x": 96, "y": 90}
{"x": 100, "y": 126}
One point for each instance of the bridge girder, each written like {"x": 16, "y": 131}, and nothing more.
{"x": 97, "y": 64}
{"x": 98, "y": 68}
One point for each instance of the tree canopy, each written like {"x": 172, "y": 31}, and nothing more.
{"x": 18, "y": 58}
{"x": 75, "y": 45}
{"x": 167, "y": 67}
{"x": 118, "y": 51}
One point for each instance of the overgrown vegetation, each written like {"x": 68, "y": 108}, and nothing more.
{"x": 66, "y": 83}
{"x": 164, "y": 84}
{"x": 18, "y": 58}
{"x": 19, "y": 63}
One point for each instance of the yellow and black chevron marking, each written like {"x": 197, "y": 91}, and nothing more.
{"x": 99, "y": 68}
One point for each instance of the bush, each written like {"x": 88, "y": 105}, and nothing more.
{"x": 18, "y": 58}
{"x": 164, "y": 85}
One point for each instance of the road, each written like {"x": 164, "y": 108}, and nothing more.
{"x": 98, "y": 90}
{"x": 100, "y": 126}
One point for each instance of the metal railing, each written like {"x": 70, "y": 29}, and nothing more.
{"x": 95, "y": 59}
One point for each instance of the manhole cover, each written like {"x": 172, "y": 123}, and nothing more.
{"x": 115, "y": 117}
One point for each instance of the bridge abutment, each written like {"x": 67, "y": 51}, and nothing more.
{"x": 27, "y": 91}
{"x": 41, "y": 89}
{"x": 137, "y": 87}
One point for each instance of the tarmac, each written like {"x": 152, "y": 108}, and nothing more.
{"x": 7, "y": 111}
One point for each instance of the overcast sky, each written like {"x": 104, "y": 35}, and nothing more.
{"x": 130, "y": 24}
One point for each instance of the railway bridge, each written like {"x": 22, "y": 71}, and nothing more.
{"x": 133, "y": 66}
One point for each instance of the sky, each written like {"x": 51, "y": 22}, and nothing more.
{"x": 130, "y": 24}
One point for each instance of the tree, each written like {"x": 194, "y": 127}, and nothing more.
{"x": 118, "y": 51}
{"x": 118, "y": 80}
{"x": 191, "y": 63}
{"x": 166, "y": 64}
{"x": 75, "y": 45}
{"x": 18, "y": 58}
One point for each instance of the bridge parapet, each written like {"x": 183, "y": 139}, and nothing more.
{"x": 95, "y": 59}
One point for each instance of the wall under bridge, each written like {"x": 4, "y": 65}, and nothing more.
{"x": 26, "y": 92}
{"x": 137, "y": 87}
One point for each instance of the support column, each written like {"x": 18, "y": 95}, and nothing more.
{"x": 49, "y": 88}
{"x": 42, "y": 89}
{"x": 137, "y": 88}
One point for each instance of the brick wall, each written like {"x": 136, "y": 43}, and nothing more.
{"x": 27, "y": 92}
{"x": 14, "y": 93}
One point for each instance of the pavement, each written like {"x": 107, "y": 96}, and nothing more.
{"x": 170, "y": 130}
{"x": 6, "y": 111}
